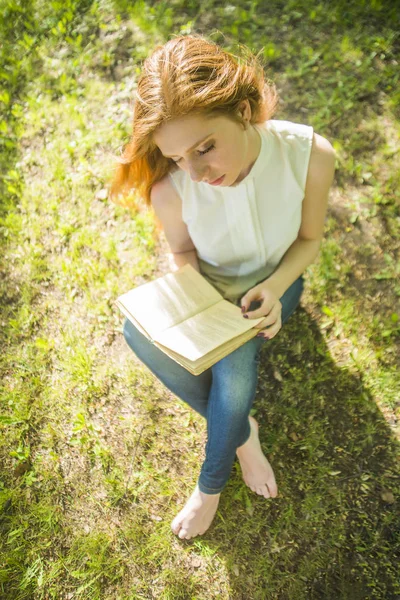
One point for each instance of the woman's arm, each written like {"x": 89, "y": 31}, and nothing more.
{"x": 179, "y": 259}
{"x": 167, "y": 207}
{"x": 305, "y": 248}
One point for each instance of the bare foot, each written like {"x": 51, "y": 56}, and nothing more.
{"x": 196, "y": 516}
{"x": 256, "y": 470}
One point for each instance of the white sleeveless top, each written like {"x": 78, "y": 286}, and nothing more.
{"x": 241, "y": 233}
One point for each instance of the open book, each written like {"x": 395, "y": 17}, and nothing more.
{"x": 187, "y": 318}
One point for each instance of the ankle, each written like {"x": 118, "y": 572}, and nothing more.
{"x": 246, "y": 445}
{"x": 205, "y": 495}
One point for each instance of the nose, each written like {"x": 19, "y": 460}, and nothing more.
{"x": 195, "y": 173}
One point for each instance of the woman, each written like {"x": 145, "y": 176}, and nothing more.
{"x": 243, "y": 199}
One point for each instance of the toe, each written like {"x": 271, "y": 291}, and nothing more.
{"x": 175, "y": 526}
{"x": 273, "y": 489}
{"x": 182, "y": 534}
{"x": 265, "y": 492}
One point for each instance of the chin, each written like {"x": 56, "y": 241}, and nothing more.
{"x": 229, "y": 181}
{"x": 235, "y": 182}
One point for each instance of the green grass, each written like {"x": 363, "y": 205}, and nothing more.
{"x": 96, "y": 456}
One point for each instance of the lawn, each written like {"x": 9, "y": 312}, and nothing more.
{"x": 96, "y": 456}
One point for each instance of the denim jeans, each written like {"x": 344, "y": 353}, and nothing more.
{"x": 223, "y": 394}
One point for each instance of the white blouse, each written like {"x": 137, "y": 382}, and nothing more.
{"x": 241, "y": 233}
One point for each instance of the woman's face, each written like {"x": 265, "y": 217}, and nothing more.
{"x": 209, "y": 148}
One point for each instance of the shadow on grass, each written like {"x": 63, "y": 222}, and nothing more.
{"x": 333, "y": 531}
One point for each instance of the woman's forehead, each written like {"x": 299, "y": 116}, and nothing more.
{"x": 185, "y": 133}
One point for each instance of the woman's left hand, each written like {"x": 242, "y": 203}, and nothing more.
{"x": 271, "y": 308}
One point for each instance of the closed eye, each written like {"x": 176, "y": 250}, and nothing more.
{"x": 201, "y": 153}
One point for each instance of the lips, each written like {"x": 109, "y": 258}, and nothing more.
{"x": 217, "y": 181}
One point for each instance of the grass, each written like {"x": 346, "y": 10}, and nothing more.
{"x": 96, "y": 455}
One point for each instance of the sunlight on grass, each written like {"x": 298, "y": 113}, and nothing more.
{"x": 97, "y": 456}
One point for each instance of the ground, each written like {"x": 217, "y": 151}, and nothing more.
{"x": 97, "y": 456}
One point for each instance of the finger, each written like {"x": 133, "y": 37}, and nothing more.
{"x": 271, "y": 331}
{"x": 262, "y": 311}
{"x": 268, "y": 308}
{"x": 248, "y": 298}
{"x": 270, "y": 320}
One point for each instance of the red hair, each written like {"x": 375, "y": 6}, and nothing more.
{"x": 188, "y": 74}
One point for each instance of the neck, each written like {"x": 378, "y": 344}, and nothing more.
{"x": 253, "y": 150}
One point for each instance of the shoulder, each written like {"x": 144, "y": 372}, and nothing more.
{"x": 163, "y": 193}
{"x": 321, "y": 170}
{"x": 322, "y": 159}
{"x": 167, "y": 206}
{"x": 321, "y": 146}
{"x": 296, "y": 146}
{"x": 288, "y": 131}
{"x": 303, "y": 137}
{"x": 291, "y": 142}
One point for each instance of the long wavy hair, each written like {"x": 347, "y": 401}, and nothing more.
{"x": 188, "y": 74}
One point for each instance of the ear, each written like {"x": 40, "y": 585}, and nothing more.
{"x": 245, "y": 110}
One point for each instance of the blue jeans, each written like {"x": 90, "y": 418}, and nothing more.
{"x": 223, "y": 394}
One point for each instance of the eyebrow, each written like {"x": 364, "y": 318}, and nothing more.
{"x": 194, "y": 145}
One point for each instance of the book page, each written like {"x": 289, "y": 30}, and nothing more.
{"x": 206, "y": 331}
{"x": 169, "y": 300}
